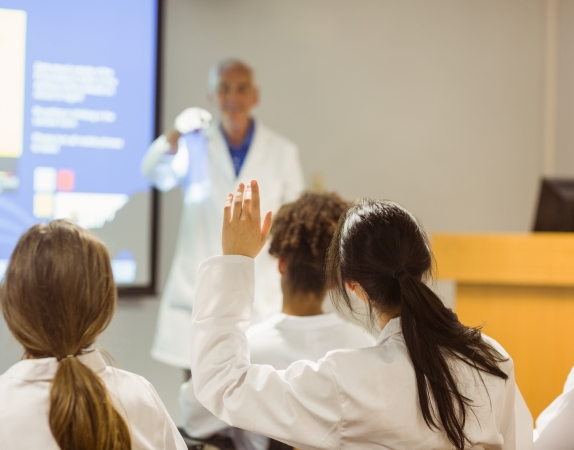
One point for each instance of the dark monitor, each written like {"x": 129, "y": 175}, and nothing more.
{"x": 555, "y": 206}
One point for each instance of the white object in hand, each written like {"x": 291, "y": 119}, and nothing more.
{"x": 192, "y": 119}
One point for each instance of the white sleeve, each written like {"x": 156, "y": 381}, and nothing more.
{"x": 294, "y": 182}
{"x": 165, "y": 171}
{"x": 569, "y": 385}
{"x": 514, "y": 420}
{"x": 172, "y": 439}
{"x": 300, "y": 405}
{"x": 523, "y": 422}
{"x": 198, "y": 422}
{"x": 554, "y": 430}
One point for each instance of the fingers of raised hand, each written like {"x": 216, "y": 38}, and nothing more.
{"x": 247, "y": 203}
{"x": 238, "y": 204}
{"x": 227, "y": 210}
{"x": 266, "y": 227}
{"x": 255, "y": 201}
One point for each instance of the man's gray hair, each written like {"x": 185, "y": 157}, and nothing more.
{"x": 221, "y": 66}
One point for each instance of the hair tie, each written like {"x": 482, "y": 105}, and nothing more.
{"x": 398, "y": 273}
{"x": 66, "y": 356}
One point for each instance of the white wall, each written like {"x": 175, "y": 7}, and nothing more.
{"x": 565, "y": 125}
{"x": 433, "y": 103}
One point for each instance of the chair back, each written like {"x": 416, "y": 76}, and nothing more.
{"x": 213, "y": 443}
{"x": 276, "y": 445}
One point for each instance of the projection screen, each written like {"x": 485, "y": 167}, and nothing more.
{"x": 78, "y": 87}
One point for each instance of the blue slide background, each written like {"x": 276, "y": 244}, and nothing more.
{"x": 117, "y": 34}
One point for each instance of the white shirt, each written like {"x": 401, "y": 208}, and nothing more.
{"x": 208, "y": 176}
{"x": 555, "y": 425}
{"x": 24, "y": 406}
{"x": 279, "y": 341}
{"x": 350, "y": 399}
{"x": 284, "y": 339}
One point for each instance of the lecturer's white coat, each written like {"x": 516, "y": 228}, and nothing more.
{"x": 274, "y": 162}
{"x": 350, "y": 399}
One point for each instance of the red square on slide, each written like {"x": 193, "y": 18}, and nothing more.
{"x": 65, "y": 180}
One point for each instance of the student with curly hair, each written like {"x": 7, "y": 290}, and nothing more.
{"x": 300, "y": 237}
{"x": 58, "y": 296}
{"x": 430, "y": 382}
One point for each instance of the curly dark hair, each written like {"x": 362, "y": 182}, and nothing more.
{"x": 301, "y": 233}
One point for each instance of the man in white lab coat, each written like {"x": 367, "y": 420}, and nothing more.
{"x": 209, "y": 158}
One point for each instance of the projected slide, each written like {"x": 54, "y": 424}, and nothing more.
{"x": 77, "y": 113}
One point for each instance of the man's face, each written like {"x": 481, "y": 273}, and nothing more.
{"x": 236, "y": 95}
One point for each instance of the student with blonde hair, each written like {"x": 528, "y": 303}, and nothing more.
{"x": 57, "y": 297}
{"x": 430, "y": 382}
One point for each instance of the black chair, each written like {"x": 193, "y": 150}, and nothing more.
{"x": 213, "y": 443}
{"x": 217, "y": 442}
{"x": 276, "y": 445}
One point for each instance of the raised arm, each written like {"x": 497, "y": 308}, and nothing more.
{"x": 198, "y": 422}
{"x": 300, "y": 405}
{"x": 167, "y": 161}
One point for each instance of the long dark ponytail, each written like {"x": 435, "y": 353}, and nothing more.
{"x": 381, "y": 246}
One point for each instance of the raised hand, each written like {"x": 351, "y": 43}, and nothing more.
{"x": 190, "y": 119}
{"x": 243, "y": 233}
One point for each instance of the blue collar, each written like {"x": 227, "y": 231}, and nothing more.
{"x": 246, "y": 142}
{"x": 239, "y": 153}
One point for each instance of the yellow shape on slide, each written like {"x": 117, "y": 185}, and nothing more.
{"x": 12, "y": 77}
{"x": 43, "y": 206}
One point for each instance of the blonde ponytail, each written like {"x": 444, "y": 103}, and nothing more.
{"x": 82, "y": 415}
{"x": 58, "y": 296}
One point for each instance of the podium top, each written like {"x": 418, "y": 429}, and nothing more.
{"x": 527, "y": 259}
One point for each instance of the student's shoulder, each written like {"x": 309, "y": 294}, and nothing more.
{"x": 508, "y": 364}
{"x": 129, "y": 386}
{"x": 129, "y": 377}
{"x": 389, "y": 352}
{"x": 355, "y": 336}
{"x": 263, "y": 328}
{"x": 149, "y": 421}
{"x": 390, "y": 361}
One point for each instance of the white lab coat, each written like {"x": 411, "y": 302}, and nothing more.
{"x": 274, "y": 162}
{"x": 25, "y": 400}
{"x": 351, "y": 399}
{"x": 279, "y": 341}
{"x": 555, "y": 425}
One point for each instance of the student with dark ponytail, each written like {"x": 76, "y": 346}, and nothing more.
{"x": 429, "y": 383}
{"x": 381, "y": 253}
{"x": 57, "y": 297}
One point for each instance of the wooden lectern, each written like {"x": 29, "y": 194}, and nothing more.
{"x": 521, "y": 287}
